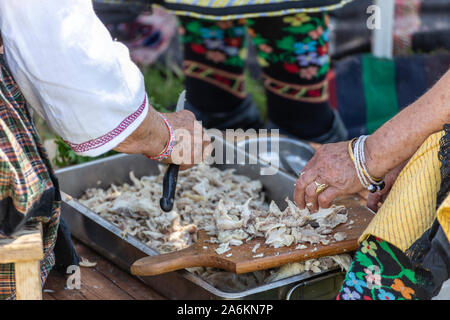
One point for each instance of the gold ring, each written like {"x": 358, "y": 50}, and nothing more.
{"x": 320, "y": 187}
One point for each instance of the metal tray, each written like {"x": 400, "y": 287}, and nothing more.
{"x": 106, "y": 239}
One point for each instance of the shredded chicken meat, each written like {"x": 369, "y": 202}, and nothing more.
{"x": 235, "y": 224}
{"x": 231, "y": 208}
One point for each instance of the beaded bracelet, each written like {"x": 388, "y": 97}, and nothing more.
{"x": 163, "y": 155}
{"x": 358, "y": 157}
{"x": 350, "y": 152}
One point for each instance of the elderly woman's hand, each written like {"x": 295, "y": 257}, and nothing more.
{"x": 192, "y": 145}
{"x": 385, "y": 149}
{"x": 332, "y": 166}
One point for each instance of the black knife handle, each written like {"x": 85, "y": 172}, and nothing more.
{"x": 169, "y": 187}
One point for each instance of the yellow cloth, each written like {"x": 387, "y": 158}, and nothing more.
{"x": 443, "y": 216}
{"x": 410, "y": 208}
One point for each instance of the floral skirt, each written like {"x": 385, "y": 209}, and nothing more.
{"x": 381, "y": 271}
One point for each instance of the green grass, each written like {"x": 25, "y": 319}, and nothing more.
{"x": 67, "y": 157}
{"x": 163, "y": 86}
{"x": 256, "y": 89}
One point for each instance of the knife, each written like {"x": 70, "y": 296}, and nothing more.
{"x": 171, "y": 176}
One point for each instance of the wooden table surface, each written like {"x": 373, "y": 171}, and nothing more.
{"x": 105, "y": 281}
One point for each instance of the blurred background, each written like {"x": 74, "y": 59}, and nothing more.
{"x": 359, "y": 82}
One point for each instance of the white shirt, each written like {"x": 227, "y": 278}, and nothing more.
{"x": 72, "y": 72}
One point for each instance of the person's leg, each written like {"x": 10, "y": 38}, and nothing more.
{"x": 214, "y": 70}
{"x": 293, "y": 53}
{"x": 380, "y": 271}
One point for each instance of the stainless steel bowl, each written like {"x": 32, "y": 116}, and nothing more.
{"x": 291, "y": 155}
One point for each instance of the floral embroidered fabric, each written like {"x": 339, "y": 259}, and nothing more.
{"x": 292, "y": 50}
{"x": 381, "y": 271}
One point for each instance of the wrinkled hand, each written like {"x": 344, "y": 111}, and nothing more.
{"x": 374, "y": 199}
{"x": 331, "y": 165}
{"x": 192, "y": 144}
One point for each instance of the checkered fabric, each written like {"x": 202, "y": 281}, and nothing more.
{"x": 28, "y": 189}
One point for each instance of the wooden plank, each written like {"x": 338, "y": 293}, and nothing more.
{"x": 130, "y": 284}
{"x": 57, "y": 284}
{"x": 103, "y": 282}
{"x": 28, "y": 280}
{"x": 25, "y": 245}
{"x": 47, "y": 296}
{"x": 94, "y": 286}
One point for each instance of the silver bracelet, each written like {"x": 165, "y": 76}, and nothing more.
{"x": 359, "y": 159}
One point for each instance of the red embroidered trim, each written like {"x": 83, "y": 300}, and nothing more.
{"x": 232, "y": 83}
{"x": 313, "y": 93}
{"x": 98, "y": 142}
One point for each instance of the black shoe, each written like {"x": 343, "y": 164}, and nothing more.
{"x": 245, "y": 116}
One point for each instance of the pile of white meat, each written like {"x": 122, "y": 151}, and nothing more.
{"x": 237, "y": 223}
{"x": 230, "y": 207}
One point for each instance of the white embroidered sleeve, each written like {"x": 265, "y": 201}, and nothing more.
{"x": 72, "y": 72}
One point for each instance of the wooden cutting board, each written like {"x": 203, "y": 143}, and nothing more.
{"x": 242, "y": 260}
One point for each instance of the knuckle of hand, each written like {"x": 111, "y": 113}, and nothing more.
{"x": 189, "y": 114}
{"x": 324, "y": 201}
{"x": 298, "y": 195}
{"x": 300, "y": 202}
{"x": 321, "y": 150}
{"x": 310, "y": 192}
{"x": 185, "y": 115}
{"x": 302, "y": 181}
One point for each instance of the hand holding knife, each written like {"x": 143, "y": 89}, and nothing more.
{"x": 171, "y": 176}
